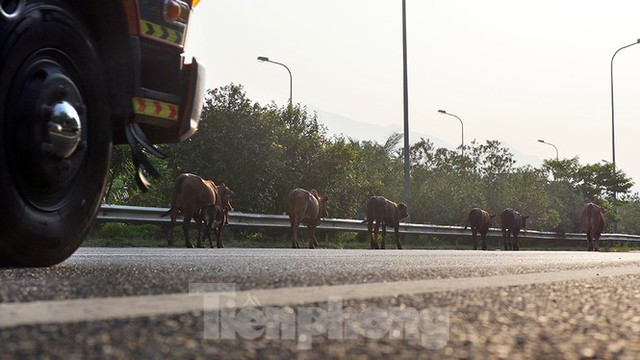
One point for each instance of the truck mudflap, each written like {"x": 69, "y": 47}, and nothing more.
{"x": 171, "y": 119}
{"x": 177, "y": 122}
{"x": 192, "y": 98}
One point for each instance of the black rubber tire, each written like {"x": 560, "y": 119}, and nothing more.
{"x": 48, "y": 202}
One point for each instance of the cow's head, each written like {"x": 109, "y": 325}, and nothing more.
{"x": 225, "y": 194}
{"x": 524, "y": 221}
{"x": 322, "y": 202}
{"x": 402, "y": 211}
{"x": 227, "y": 206}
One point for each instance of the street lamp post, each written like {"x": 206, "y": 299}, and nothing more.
{"x": 544, "y": 142}
{"x": 613, "y": 132}
{"x": 266, "y": 59}
{"x": 461, "y": 124}
{"x": 405, "y": 91}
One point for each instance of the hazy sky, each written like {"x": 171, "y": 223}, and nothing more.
{"x": 514, "y": 71}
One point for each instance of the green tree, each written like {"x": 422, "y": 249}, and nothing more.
{"x": 629, "y": 215}
{"x": 596, "y": 182}
{"x": 444, "y": 186}
{"x": 262, "y": 152}
{"x": 237, "y": 144}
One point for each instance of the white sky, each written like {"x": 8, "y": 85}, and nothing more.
{"x": 513, "y": 70}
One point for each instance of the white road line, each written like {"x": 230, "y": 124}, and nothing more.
{"x": 96, "y": 309}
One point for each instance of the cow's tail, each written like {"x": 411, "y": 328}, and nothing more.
{"x": 176, "y": 190}
{"x": 589, "y": 212}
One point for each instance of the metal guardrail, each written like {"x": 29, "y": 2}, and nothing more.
{"x": 151, "y": 215}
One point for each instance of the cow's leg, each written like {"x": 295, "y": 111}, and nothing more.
{"x": 207, "y": 225}
{"x": 202, "y": 233}
{"x": 312, "y": 237}
{"x": 171, "y": 226}
{"x": 374, "y": 234}
{"x": 483, "y": 233}
{"x": 596, "y": 242}
{"x": 397, "y": 233}
{"x": 185, "y": 230}
{"x": 218, "y": 233}
{"x": 384, "y": 235}
{"x": 589, "y": 242}
{"x": 474, "y": 234}
{"x": 370, "y": 233}
{"x": 294, "y": 233}
{"x": 199, "y": 234}
{"x": 207, "y": 233}
{"x": 504, "y": 239}
{"x": 207, "y": 238}
{"x": 516, "y": 244}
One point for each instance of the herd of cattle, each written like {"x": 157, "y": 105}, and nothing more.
{"x": 591, "y": 221}
{"x": 209, "y": 204}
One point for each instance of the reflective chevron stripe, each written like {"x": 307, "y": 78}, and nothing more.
{"x": 160, "y": 32}
{"x": 155, "y": 108}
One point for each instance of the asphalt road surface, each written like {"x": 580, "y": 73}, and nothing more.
{"x": 286, "y": 303}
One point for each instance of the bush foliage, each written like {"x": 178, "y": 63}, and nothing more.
{"x": 262, "y": 152}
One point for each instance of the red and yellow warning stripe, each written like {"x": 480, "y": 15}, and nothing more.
{"x": 155, "y": 108}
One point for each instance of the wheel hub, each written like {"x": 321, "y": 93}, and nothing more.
{"x": 57, "y": 132}
{"x": 50, "y": 115}
{"x": 64, "y": 129}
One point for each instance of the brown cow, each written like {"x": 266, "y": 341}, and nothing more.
{"x": 216, "y": 217}
{"x": 305, "y": 207}
{"x": 190, "y": 194}
{"x": 479, "y": 221}
{"x": 512, "y": 222}
{"x": 593, "y": 223}
{"x": 384, "y": 212}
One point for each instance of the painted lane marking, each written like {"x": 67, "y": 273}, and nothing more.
{"x": 97, "y": 309}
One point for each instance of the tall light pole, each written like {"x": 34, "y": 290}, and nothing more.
{"x": 407, "y": 166}
{"x": 544, "y": 142}
{"x": 613, "y": 132}
{"x": 461, "y": 124}
{"x": 266, "y": 59}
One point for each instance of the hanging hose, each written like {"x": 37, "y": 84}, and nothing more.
{"x": 15, "y": 14}
{"x": 137, "y": 142}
